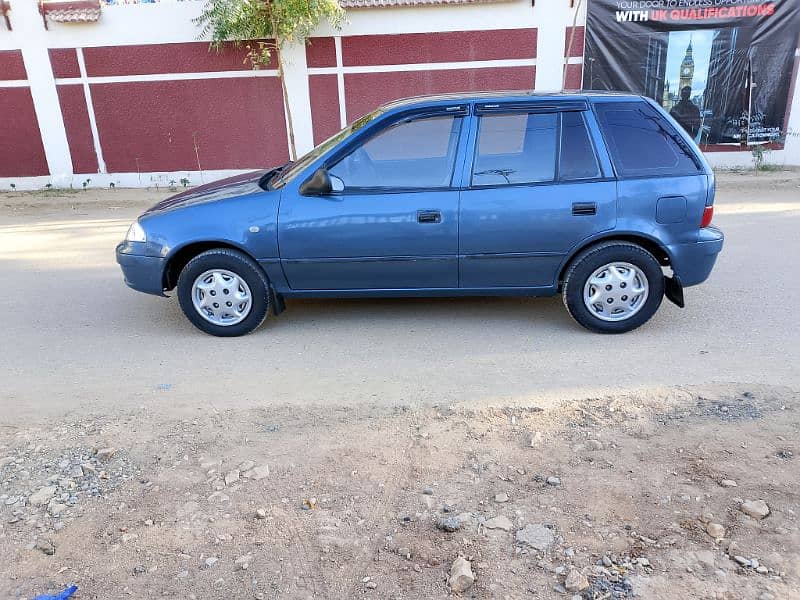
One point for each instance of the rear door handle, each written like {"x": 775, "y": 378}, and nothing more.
{"x": 429, "y": 216}
{"x": 584, "y": 208}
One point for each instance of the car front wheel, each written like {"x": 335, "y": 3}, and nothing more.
{"x": 224, "y": 292}
{"x": 613, "y": 287}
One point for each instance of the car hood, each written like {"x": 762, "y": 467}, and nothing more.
{"x": 231, "y": 187}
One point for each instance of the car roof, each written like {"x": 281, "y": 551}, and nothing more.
{"x": 503, "y": 95}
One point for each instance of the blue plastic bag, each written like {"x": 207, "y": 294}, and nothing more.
{"x": 62, "y": 596}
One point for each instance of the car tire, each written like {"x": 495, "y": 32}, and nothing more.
{"x": 217, "y": 272}
{"x": 626, "y": 268}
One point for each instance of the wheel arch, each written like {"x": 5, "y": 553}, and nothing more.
{"x": 181, "y": 256}
{"x": 652, "y": 245}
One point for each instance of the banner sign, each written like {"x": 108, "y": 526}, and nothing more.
{"x": 721, "y": 68}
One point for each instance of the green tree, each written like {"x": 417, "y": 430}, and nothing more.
{"x": 264, "y": 27}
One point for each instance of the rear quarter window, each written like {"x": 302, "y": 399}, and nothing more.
{"x": 642, "y": 142}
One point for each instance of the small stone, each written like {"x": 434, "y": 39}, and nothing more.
{"x": 56, "y": 508}
{"x": 762, "y": 570}
{"x": 370, "y": 585}
{"x": 404, "y": 552}
{"x": 246, "y": 465}
{"x": 499, "y": 522}
{"x": 428, "y": 491}
{"x": 757, "y": 509}
{"x": 536, "y": 439}
{"x": 46, "y": 546}
{"x": 592, "y": 444}
{"x": 243, "y": 562}
{"x": 106, "y": 454}
{"x": 182, "y": 575}
{"x": 742, "y": 560}
{"x": 554, "y": 481}
{"x": 232, "y": 477}
{"x": 261, "y": 513}
{"x": 728, "y": 483}
{"x": 76, "y": 471}
{"x": 501, "y": 497}
{"x": 536, "y": 536}
{"x": 607, "y": 562}
{"x": 42, "y": 495}
{"x": 715, "y": 530}
{"x": 139, "y": 570}
{"x": 448, "y": 524}
{"x": 210, "y": 562}
{"x": 575, "y": 581}
{"x": 461, "y": 575}
{"x": 259, "y": 473}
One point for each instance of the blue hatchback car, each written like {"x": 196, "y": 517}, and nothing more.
{"x": 600, "y": 197}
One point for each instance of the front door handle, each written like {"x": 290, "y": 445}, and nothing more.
{"x": 429, "y": 216}
{"x": 584, "y": 208}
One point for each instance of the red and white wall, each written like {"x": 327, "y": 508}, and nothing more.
{"x": 136, "y": 100}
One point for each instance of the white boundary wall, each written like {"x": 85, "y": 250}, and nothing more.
{"x": 172, "y": 22}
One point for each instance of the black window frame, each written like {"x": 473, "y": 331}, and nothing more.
{"x": 458, "y": 113}
{"x": 512, "y": 108}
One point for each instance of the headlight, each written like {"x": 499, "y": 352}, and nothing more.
{"x": 135, "y": 233}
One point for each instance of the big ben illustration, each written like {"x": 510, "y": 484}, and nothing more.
{"x": 687, "y": 68}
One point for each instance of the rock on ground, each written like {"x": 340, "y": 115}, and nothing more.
{"x": 757, "y": 509}
{"x": 536, "y": 536}
{"x": 461, "y": 575}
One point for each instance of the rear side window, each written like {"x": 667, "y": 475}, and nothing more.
{"x": 642, "y": 142}
{"x": 577, "y": 160}
{"x": 515, "y": 148}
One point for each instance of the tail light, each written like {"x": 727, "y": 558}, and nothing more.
{"x": 708, "y": 214}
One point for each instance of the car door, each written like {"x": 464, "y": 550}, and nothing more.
{"x": 394, "y": 225}
{"x": 535, "y": 190}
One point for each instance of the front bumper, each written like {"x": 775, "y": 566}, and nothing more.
{"x": 693, "y": 262}
{"x": 142, "y": 273}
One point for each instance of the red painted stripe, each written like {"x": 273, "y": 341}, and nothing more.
{"x": 321, "y": 52}
{"x": 365, "y": 91}
{"x": 452, "y": 46}
{"x": 236, "y": 123}
{"x": 79, "y": 131}
{"x": 189, "y": 57}
{"x": 577, "y": 42}
{"x": 574, "y": 78}
{"x": 64, "y": 62}
{"x": 21, "y": 149}
{"x": 11, "y": 65}
{"x": 324, "y": 92}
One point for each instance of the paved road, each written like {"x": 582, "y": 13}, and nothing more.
{"x": 76, "y": 339}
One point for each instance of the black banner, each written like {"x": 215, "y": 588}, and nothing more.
{"x": 721, "y": 68}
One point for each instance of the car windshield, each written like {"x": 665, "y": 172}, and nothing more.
{"x": 293, "y": 169}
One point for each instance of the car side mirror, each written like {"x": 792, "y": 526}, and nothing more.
{"x": 321, "y": 183}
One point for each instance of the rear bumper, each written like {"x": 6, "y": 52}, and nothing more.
{"x": 141, "y": 273}
{"x": 693, "y": 262}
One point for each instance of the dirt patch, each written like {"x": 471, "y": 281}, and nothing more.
{"x": 609, "y": 497}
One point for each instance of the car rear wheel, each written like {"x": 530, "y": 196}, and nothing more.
{"x": 613, "y": 287}
{"x": 224, "y": 292}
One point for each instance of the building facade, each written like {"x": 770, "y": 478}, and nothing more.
{"x": 135, "y": 99}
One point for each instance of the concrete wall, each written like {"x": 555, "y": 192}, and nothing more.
{"x": 135, "y": 99}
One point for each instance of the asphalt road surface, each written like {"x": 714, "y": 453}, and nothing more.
{"x": 76, "y": 340}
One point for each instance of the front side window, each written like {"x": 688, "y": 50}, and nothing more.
{"x": 515, "y": 148}
{"x": 417, "y": 153}
{"x": 642, "y": 142}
